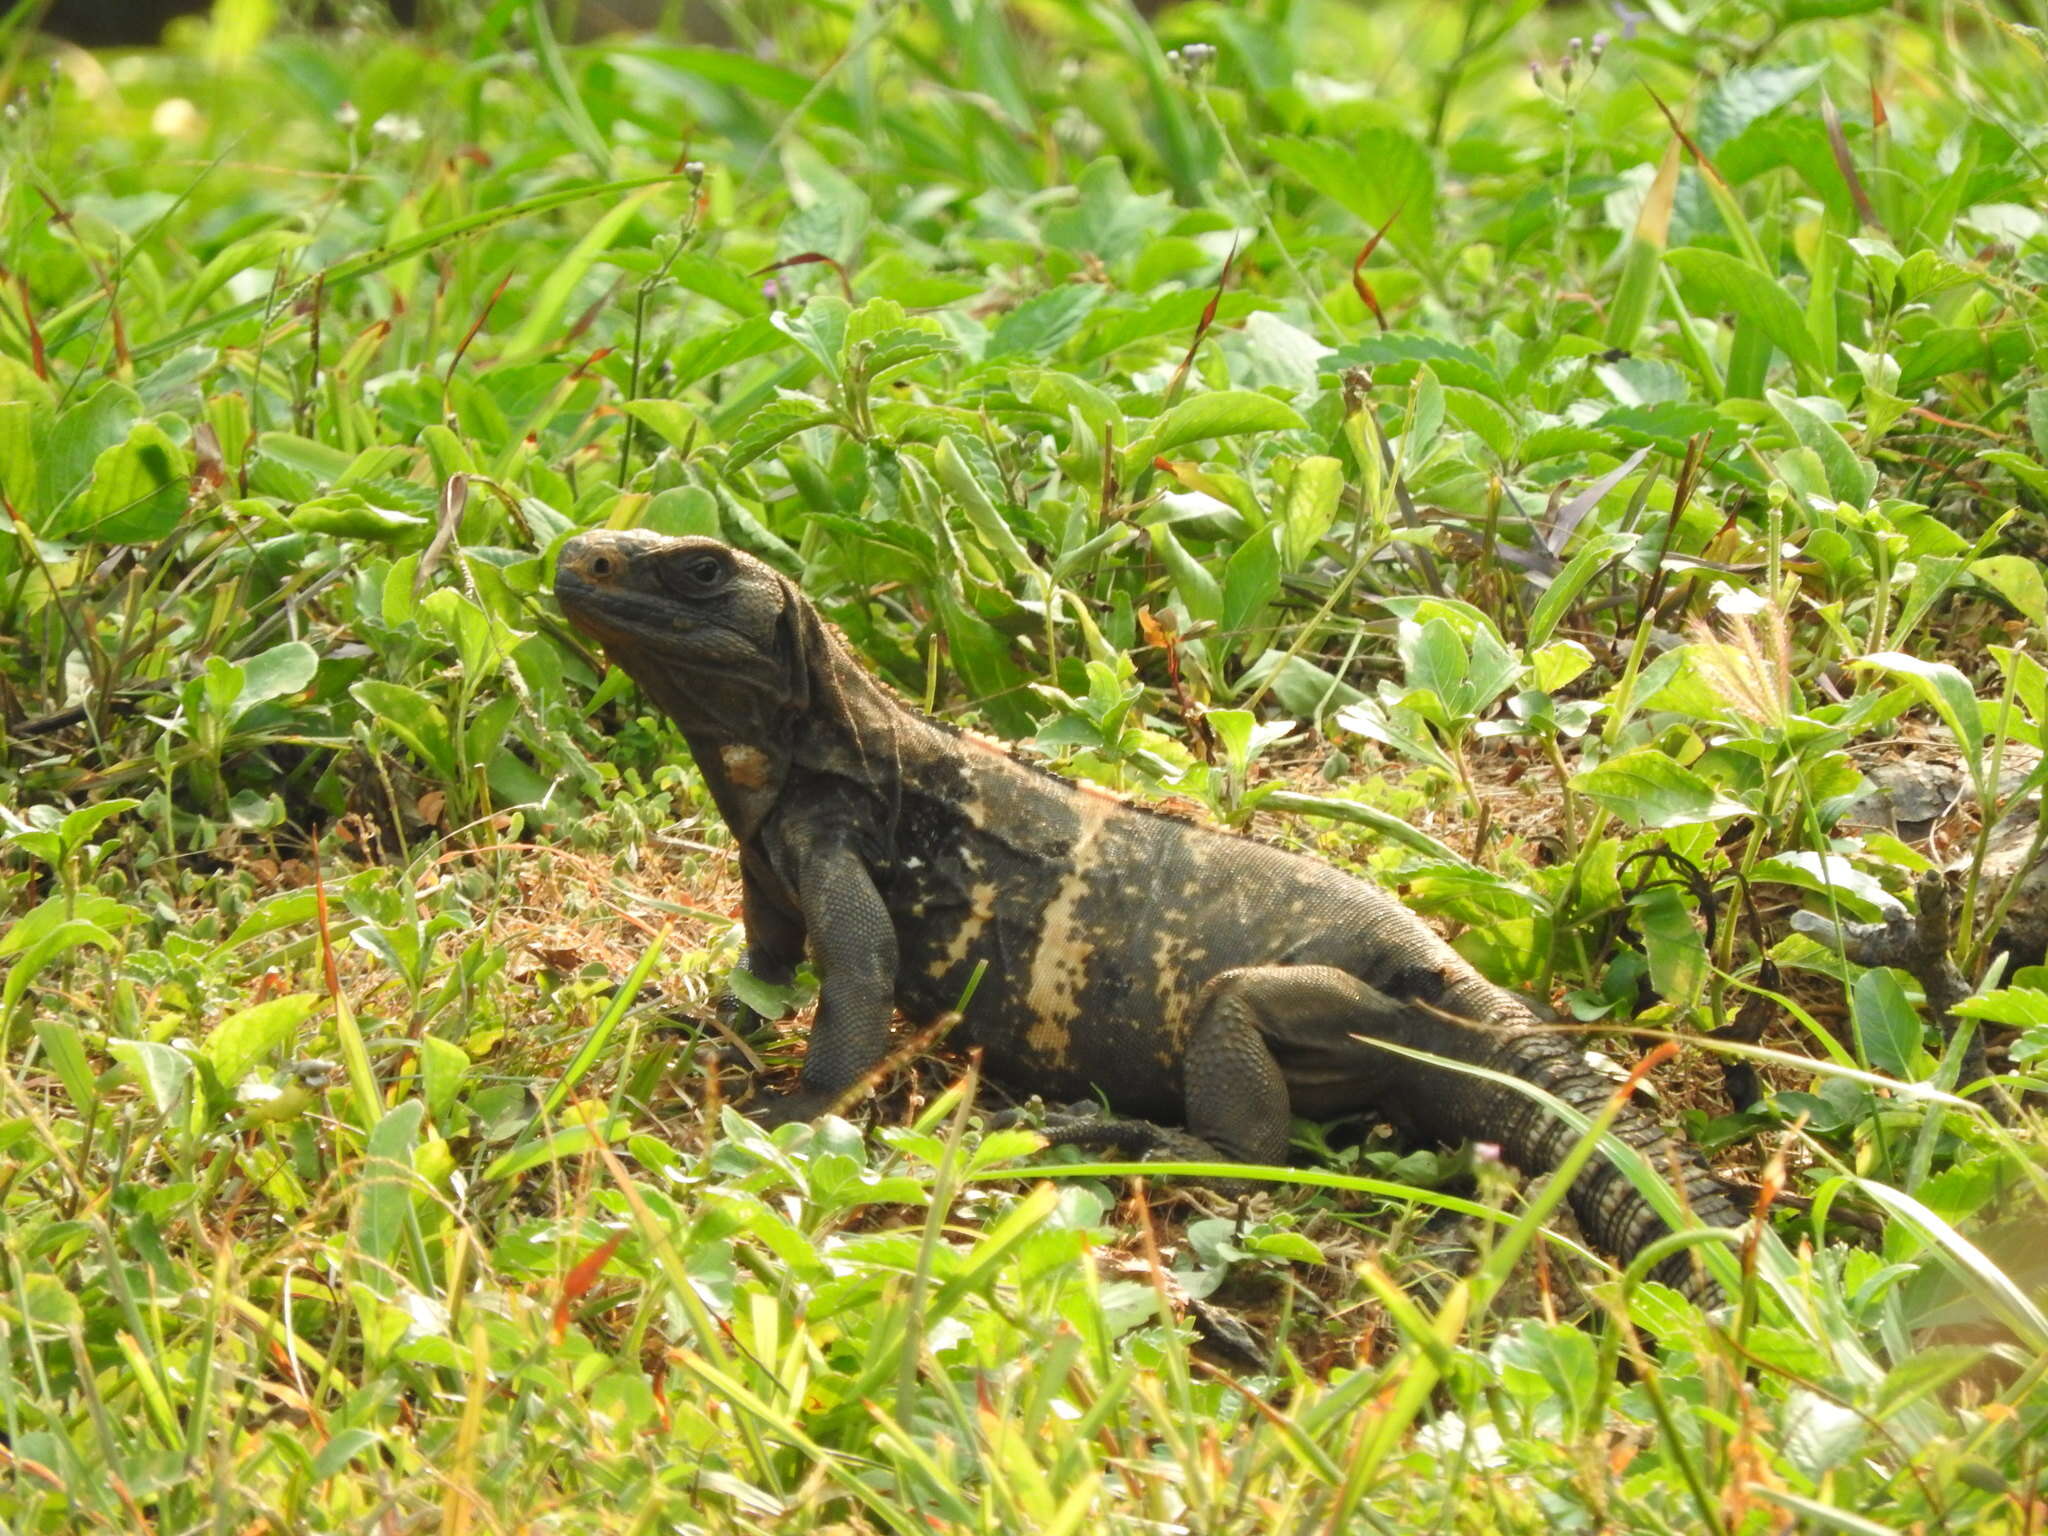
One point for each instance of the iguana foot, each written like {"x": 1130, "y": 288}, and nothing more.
{"x": 774, "y": 1109}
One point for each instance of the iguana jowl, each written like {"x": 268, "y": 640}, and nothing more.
{"x": 1185, "y": 974}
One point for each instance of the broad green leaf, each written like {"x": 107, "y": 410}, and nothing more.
{"x": 1558, "y": 663}
{"x": 442, "y": 1064}
{"x": 350, "y": 515}
{"x": 385, "y": 1181}
{"x": 1251, "y": 580}
{"x": 1944, "y": 690}
{"x": 272, "y": 674}
{"x": 1652, "y": 790}
{"x": 53, "y": 912}
{"x": 1199, "y": 592}
{"x": 773, "y": 424}
{"x": 2022, "y": 468}
{"x": 2018, "y": 580}
{"x": 138, "y": 491}
{"x": 1851, "y": 478}
{"x": 67, "y": 452}
{"x": 1377, "y": 172}
{"x": 676, "y": 424}
{"x": 1220, "y": 413}
{"x": 164, "y": 1070}
{"x": 1671, "y": 939}
{"x": 1593, "y": 557}
{"x": 243, "y": 1039}
{"x": 2015, "y": 1007}
{"x": 65, "y": 1052}
{"x": 53, "y": 944}
{"x": 414, "y": 719}
{"x": 1309, "y": 505}
{"x": 2037, "y": 420}
{"x": 1861, "y": 896}
{"x": 1888, "y": 1031}
{"x": 1039, "y": 326}
{"x": 1735, "y": 285}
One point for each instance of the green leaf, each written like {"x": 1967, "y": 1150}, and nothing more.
{"x": 442, "y": 1064}
{"x": 1947, "y": 692}
{"x": 1309, "y": 505}
{"x": 675, "y": 423}
{"x": 2014, "y": 1007}
{"x": 1851, "y": 478}
{"x": 349, "y": 515}
{"x": 283, "y": 669}
{"x": 773, "y": 424}
{"x": 1735, "y": 285}
{"x": 414, "y": 719}
{"x": 719, "y": 350}
{"x": 1888, "y": 1031}
{"x": 1198, "y": 591}
{"x": 1672, "y": 941}
{"x": 1380, "y": 170}
{"x": 164, "y": 1070}
{"x": 138, "y": 491}
{"x": 65, "y": 1051}
{"x": 1043, "y": 323}
{"x": 1860, "y": 896}
{"x": 54, "y": 943}
{"x": 1221, "y": 413}
{"x": 2037, "y": 420}
{"x": 1251, "y": 580}
{"x": 2018, "y": 580}
{"x": 1651, "y": 790}
{"x": 75, "y": 441}
{"x": 385, "y": 1181}
{"x": 243, "y": 1039}
{"x": 1593, "y": 557}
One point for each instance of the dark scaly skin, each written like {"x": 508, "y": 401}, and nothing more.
{"x": 1185, "y": 974}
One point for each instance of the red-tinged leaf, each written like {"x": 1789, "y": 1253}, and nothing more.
{"x": 35, "y": 332}
{"x": 580, "y": 1279}
{"x": 1359, "y": 285}
{"x": 1180, "y": 374}
{"x": 1878, "y": 118}
{"x": 477, "y": 324}
{"x": 807, "y": 259}
{"x": 1839, "y": 144}
{"x": 1699, "y": 156}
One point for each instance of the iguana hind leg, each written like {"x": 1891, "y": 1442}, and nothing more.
{"x": 1255, "y": 1030}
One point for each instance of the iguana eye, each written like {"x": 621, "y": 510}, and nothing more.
{"x": 704, "y": 571}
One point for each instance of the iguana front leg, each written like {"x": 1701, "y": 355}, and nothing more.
{"x": 853, "y": 945}
{"x": 775, "y": 945}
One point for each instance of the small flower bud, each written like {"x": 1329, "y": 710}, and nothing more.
{"x": 694, "y": 170}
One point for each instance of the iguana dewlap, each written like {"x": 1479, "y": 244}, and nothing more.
{"x": 1185, "y": 974}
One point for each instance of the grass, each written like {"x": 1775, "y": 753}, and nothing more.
{"x": 1554, "y": 492}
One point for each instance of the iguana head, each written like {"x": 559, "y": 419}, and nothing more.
{"x": 731, "y": 651}
{"x": 718, "y": 639}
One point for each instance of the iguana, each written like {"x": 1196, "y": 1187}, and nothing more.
{"x": 1181, "y": 972}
